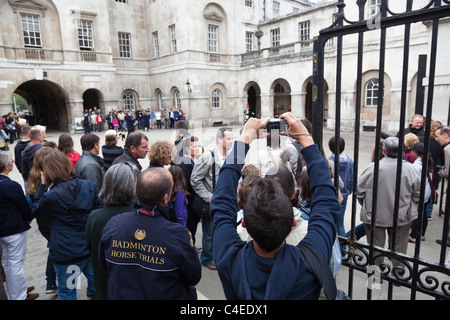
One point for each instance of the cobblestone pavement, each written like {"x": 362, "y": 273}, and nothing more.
{"x": 209, "y": 286}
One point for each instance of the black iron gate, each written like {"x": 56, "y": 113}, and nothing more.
{"x": 416, "y": 274}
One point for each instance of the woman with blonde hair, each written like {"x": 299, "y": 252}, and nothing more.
{"x": 63, "y": 203}
{"x": 409, "y": 140}
{"x": 161, "y": 154}
{"x": 34, "y": 178}
{"x": 110, "y": 149}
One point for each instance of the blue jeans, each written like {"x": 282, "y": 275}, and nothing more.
{"x": 207, "y": 255}
{"x": 68, "y": 278}
{"x": 340, "y": 222}
{"x": 429, "y": 209}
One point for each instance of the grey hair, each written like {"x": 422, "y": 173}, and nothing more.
{"x": 220, "y": 132}
{"x": 5, "y": 159}
{"x": 390, "y": 146}
{"x": 119, "y": 185}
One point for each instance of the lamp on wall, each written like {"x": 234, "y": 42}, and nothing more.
{"x": 258, "y": 35}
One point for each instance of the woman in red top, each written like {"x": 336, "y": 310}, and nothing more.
{"x": 65, "y": 145}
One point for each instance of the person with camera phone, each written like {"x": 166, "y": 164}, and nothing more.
{"x": 267, "y": 267}
{"x": 269, "y": 157}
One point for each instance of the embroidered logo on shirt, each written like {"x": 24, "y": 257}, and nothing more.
{"x": 140, "y": 234}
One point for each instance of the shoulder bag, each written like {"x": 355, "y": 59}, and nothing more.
{"x": 322, "y": 272}
{"x": 202, "y": 206}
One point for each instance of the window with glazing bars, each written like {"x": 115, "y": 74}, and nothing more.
{"x": 156, "y": 44}
{"x": 248, "y": 41}
{"x": 303, "y": 30}
{"x": 85, "y": 35}
{"x": 275, "y": 34}
{"x": 372, "y": 93}
{"x": 31, "y": 30}
{"x": 124, "y": 45}
{"x": 173, "y": 38}
{"x": 129, "y": 101}
{"x": 213, "y": 39}
{"x": 215, "y": 99}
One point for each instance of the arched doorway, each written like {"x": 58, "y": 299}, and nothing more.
{"x": 253, "y": 99}
{"x": 92, "y": 98}
{"x": 281, "y": 91}
{"x": 47, "y": 104}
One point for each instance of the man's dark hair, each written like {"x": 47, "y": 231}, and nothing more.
{"x": 152, "y": 185}
{"x": 268, "y": 215}
{"x": 332, "y": 144}
{"x": 307, "y": 124}
{"x": 88, "y": 141}
{"x": 284, "y": 177}
{"x": 134, "y": 139}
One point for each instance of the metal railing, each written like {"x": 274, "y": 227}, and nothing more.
{"x": 413, "y": 272}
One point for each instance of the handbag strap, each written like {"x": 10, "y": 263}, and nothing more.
{"x": 320, "y": 269}
{"x": 213, "y": 170}
{"x": 431, "y": 182}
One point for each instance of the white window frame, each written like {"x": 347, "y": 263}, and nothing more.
{"x": 216, "y": 99}
{"x": 124, "y": 39}
{"x": 177, "y": 99}
{"x": 213, "y": 38}
{"x": 304, "y": 30}
{"x": 31, "y": 30}
{"x": 248, "y": 3}
{"x": 371, "y": 93}
{"x": 156, "y": 44}
{"x": 173, "y": 38}
{"x": 129, "y": 100}
{"x": 86, "y": 34}
{"x": 275, "y": 37}
{"x": 275, "y": 8}
{"x": 248, "y": 41}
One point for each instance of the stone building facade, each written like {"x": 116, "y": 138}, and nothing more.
{"x": 209, "y": 58}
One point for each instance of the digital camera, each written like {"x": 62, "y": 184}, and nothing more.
{"x": 277, "y": 124}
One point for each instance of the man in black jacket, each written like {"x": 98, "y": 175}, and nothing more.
{"x": 21, "y": 145}
{"x": 27, "y": 155}
{"x": 145, "y": 254}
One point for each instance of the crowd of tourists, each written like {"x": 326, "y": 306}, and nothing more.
{"x": 131, "y": 231}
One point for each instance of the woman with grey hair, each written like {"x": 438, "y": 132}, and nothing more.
{"x": 117, "y": 193}
{"x": 15, "y": 219}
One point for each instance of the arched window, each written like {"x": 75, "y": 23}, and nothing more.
{"x": 177, "y": 99}
{"x": 215, "y": 99}
{"x": 129, "y": 101}
{"x": 372, "y": 93}
{"x": 160, "y": 100}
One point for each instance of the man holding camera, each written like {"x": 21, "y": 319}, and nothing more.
{"x": 267, "y": 267}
